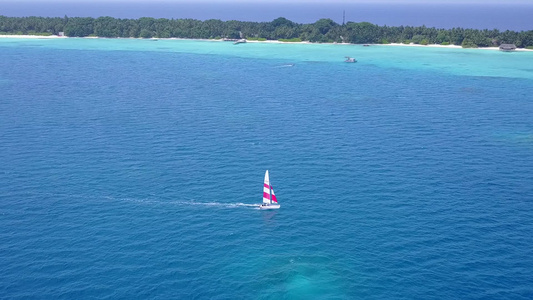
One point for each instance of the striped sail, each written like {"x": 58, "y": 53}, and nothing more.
{"x": 266, "y": 189}
{"x": 269, "y": 198}
{"x": 273, "y": 196}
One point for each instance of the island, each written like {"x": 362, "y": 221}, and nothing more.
{"x": 280, "y": 29}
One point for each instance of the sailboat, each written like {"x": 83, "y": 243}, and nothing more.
{"x": 269, "y": 199}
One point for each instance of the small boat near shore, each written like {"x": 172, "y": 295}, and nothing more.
{"x": 269, "y": 198}
{"x": 241, "y": 41}
{"x": 350, "y": 59}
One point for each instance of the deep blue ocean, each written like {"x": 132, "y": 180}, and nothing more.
{"x": 503, "y": 15}
{"x": 132, "y": 169}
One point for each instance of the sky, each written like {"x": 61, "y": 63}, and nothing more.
{"x": 289, "y": 1}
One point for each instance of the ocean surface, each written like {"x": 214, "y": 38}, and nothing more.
{"x": 132, "y": 169}
{"x": 505, "y": 15}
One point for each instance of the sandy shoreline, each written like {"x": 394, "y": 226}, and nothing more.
{"x": 446, "y": 46}
{"x": 16, "y": 36}
{"x": 270, "y": 41}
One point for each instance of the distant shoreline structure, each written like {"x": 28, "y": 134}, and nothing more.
{"x": 54, "y": 37}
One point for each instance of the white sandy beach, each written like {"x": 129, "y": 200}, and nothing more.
{"x": 430, "y": 45}
{"x": 271, "y": 41}
{"x": 16, "y": 36}
{"x": 445, "y": 46}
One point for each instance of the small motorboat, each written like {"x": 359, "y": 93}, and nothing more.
{"x": 241, "y": 41}
{"x": 350, "y": 59}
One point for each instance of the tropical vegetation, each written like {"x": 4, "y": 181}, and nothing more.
{"x": 323, "y": 30}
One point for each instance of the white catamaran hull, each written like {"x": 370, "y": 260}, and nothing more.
{"x": 269, "y": 207}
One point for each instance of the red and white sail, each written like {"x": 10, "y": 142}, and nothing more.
{"x": 268, "y": 192}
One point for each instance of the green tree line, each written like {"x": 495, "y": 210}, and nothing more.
{"x": 323, "y": 30}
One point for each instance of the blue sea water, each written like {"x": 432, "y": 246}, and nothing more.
{"x": 133, "y": 169}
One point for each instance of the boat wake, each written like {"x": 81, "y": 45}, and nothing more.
{"x": 216, "y": 204}
{"x": 187, "y": 203}
{"x": 151, "y": 200}
{"x": 286, "y": 66}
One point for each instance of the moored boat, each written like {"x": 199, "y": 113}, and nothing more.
{"x": 241, "y": 41}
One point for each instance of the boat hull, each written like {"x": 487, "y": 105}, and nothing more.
{"x": 265, "y": 207}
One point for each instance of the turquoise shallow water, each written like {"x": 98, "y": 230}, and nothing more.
{"x": 130, "y": 169}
